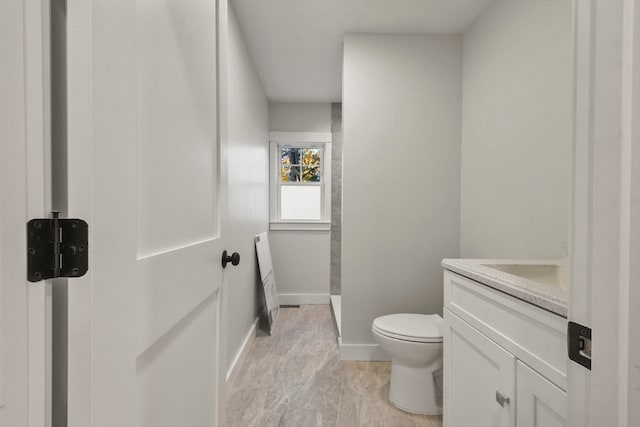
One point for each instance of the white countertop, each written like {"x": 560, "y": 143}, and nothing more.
{"x": 548, "y": 297}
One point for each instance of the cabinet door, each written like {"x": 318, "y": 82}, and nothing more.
{"x": 540, "y": 403}
{"x": 477, "y": 372}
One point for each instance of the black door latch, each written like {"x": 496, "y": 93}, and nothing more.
{"x": 579, "y": 344}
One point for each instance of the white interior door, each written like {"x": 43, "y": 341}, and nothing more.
{"x": 145, "y": 171}
{"x": 24, "y": 194}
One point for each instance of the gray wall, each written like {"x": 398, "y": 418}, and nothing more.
{"x": 293, "y": 252}
{"x": 401, "y": 175}
{"x": 336, "y": 198}
{"x": 517, "y": 131}
{"x": 248, "y": 186}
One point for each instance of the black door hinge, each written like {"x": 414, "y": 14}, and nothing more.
{"x": 579, "y": 344}
{"x": 57, "y": 247}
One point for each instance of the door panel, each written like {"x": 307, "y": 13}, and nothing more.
{"x": 475, "y": 369}
{"x": 540, "y": 402}
{"x": 143, "y": 170}
{"x": 172, "y": 360}
{"x": 177, "y": 130}
{"x": 177, "y": 152}
{"x": 172, "y": 284}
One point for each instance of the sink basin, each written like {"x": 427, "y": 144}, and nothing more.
{"x": 552, "y": 275}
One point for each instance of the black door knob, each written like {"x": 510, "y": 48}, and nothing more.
{"x": 234, "y": 259}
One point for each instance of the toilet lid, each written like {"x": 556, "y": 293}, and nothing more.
{"x": 410, "y": 327}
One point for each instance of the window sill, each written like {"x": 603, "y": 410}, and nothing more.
{"x": 300, "y": 226}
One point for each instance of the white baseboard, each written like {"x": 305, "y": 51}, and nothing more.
{"x": 241, "y": 355}
{"x": 299, "y": 299}
{"x": 363, "y": 352}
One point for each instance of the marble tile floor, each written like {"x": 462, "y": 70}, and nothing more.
{"x": 295, "y": 379}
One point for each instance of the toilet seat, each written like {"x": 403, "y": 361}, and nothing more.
{"x": 421, "y": 328}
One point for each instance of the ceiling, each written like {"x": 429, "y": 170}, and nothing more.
{"x": 296, "y": 45}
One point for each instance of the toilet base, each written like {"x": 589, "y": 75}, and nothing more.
{"x": 415, "y": 390}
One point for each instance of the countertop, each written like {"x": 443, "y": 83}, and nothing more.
{"x": 551, "y": 298}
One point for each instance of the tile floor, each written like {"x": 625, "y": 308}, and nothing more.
{"x": 295, "y": 379}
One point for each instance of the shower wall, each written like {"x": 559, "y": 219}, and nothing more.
{"x": 336, "y": 197}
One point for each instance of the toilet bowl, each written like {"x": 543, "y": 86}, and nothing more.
{"x": 414, "y": 342}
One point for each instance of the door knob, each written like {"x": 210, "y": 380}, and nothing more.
{"x": 502, "y": 399}
{"x": 234, "y": 259}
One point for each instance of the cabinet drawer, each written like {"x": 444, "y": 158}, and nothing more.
{"x": 533, "y": 335}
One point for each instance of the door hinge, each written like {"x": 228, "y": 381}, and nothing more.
{"x": 579, "y": 344}
{"x": 57, "y": 247}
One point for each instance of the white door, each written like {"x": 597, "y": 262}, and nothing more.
{"x": 605, "y": 238}
{"x": 24, "y": 182}
{"x": 145, "y": 170}
{"x": 480, "y": 378}
{"x": 540, "y": 402}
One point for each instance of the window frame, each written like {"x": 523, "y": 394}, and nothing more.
{"x": 320, "y": 140}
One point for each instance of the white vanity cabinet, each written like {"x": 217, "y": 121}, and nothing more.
{"x": 540, "y": 403}
{"x": 477, "y": 369}
{"x": 504, "y": 359}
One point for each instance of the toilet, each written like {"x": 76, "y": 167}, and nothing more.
{"x": 414, "y": 342}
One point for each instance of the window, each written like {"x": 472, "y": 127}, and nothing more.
{"x": 301, "y": 188}
{"x": 300, "y": 182}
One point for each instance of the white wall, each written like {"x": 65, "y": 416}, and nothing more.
{"x": 301, "y": 265}
{"x": 401, "y": 175}
{"x": 301, "y": 259}
{"x": 299, "y": 117}
{"x": 516, "y": 133}
{"x": 248, "y": 185}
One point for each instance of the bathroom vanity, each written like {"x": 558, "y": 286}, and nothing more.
{"x": 505, "y": 351}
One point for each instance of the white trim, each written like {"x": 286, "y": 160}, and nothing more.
{"x": 37, "y": 102}
{"x": 303, "y": 299}
{"x": 273, "y": 181}
{"x": 629, "y": 298}
{"x": 362, "y": 352}
{"x": 222, "y": 307}
{"x": 326, "y": 183}
{"x": 241, "y": 355}
{"x": 578, "y": 378}
{"x": 300, "y": 226}
{"x": 300, "y": 137}
{"x": 600, "y": 219}
{"x": 79, "y": 38}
